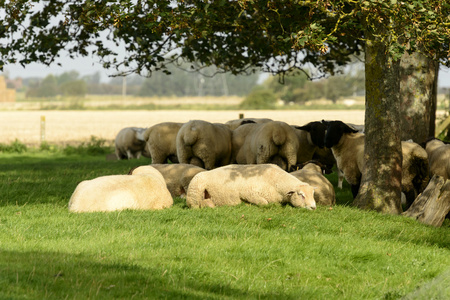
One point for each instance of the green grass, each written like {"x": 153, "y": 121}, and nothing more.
{"x": 243, "y": 252}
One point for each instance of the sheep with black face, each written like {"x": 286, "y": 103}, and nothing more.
{"x": 347, "y": 145}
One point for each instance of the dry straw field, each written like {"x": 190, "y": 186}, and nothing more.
{"x": 73, "y": 127}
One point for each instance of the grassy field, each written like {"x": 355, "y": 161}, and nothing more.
{"x": 243, "y": 252}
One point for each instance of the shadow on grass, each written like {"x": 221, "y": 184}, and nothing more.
{"x": 53, "y": 275}
{"x": 34, "y": 180}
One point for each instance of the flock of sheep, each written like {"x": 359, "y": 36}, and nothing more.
{"x": 258, "y": 161}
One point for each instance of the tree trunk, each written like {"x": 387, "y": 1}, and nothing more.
{"x": 433, "y": 204}
{"x": 381, "y": 178}
{"x": 418, "y": 96}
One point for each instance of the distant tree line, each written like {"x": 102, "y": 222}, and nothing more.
{"x": 292, "y": 88}
{"x": 178, "y": 83}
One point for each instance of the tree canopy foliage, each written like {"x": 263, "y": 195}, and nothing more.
{"x": 236, "y": 36}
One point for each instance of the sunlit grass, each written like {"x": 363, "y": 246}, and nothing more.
{"x": 273, "y": 252}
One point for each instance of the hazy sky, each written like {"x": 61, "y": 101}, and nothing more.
{"x": 88, "y": 66}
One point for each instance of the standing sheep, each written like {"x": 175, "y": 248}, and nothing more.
{"x": 176, "y": 176}
{"x": 237, "y": 141}
{"x": 130, "y": 143}
{"x": 311, "y": 137}
{"x": 144, "y": 190}
{"x": 204, "y": 144}
{"x": 270, "y": 142}
{"x": 311, "y": 173}
{"x": 161, "y": 142}
{"x": 257, "y": 184}
{"x": 347, "y": 145}
{"x": 438, "y": 157}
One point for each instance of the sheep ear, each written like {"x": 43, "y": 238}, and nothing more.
{"x": 306, "y": 127}
{"x": 348, "y": 129}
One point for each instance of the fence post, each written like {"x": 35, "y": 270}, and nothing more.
{"x": 42, "y": 129}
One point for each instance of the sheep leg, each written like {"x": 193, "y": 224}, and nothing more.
{"x": 340, "y": 178}
{"x": 355, "y": 189}
{"x": 129, "y": 155}
{"x": 207, "y": 201}
{"x": 119, "y": 156}
{"x": 158, "y": 159}
{"x": 256, "y": 199}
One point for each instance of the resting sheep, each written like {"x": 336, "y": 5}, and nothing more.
{"x": 438, "y": 157}
{"x": 271, "y": 142}
{"x": 311, "y": 173}
{"x": 144, "y": 190}
{"x": 130, "y": 143}
{"x": 176, "y": 176}
{"x": 233, "y": 124}
{"x": 161, "y": 142}
{"x": 347, "y": 145}
{"x": 204, "y": 144}
{"x": 257, "y": 184}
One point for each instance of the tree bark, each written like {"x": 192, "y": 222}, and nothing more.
{"x": 433, "y": 204}
{"x": 380, "y": 188}
{"x": 418, "y": 96}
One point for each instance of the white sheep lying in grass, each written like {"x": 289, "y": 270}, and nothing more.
{"x": 146, "y": 189}
{"x": 311, "y": 173}
{"x": 271, "y": 142}
{"x": 438, "y": 157}
{"x": 204, "y": 144}
{"x": 347, "y": 145}
{"x": 176, "y": 176}
{"x": 161, "y": 142}
{"x": 257, "y": 184}
{"x": 130, "y": 143}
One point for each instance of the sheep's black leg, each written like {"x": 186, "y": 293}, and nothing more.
{"x": 355, "y": 189}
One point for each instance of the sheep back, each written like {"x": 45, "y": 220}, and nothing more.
{"x": 161, "y": 142}
{"x": 233, "y": 124}
{"x": 204, "y": 144}
{"x": 257, "y": 184}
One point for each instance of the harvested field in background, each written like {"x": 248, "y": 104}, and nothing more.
{"x": 74, "y": 127}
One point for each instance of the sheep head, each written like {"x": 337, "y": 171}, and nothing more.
{"x": 316, "y": 130}
{"x": 335, "y": 131}
{"x": 302, "y": 196}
